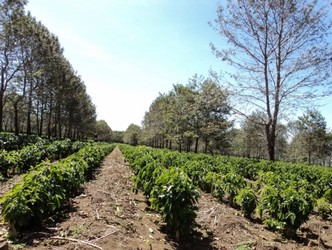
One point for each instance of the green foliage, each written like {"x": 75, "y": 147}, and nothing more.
{"x": 147, "y": 176}
{"x": 232, "y": 183}
{"x": 8, "y": 160}
{"x": 103, "y": 131}
{"x": 246, "y": 199}
{"x": 283, "y": 193}
{"x": 197, "y": 171}
{"x": 28, "y": 156}
{"x": 212, "y": 183}
{"x": 170, "y": 190}
{"x": 46, "y": 188}
{"x": 285, "y": 209}
{"x": 311, "y": 138}
{"x": 324, "y": 208}
{"x": 132, "y": 135}
{"x": 245, "y": 246}
{"x": 175, "y": 197}
{"x": 10, "y": 141}
{"x": 196, "y": 112}
{"x": 324, "y": 205}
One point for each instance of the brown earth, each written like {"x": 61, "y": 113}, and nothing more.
{"x": 107, "y": 215}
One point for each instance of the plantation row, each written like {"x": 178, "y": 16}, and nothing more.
{"x": 282, "y": 194}
{"x": 46, "y": 188}
{"x": 10, "y": 141}
{"x": 170, "y": 190}
{"x": 19, "y": 161}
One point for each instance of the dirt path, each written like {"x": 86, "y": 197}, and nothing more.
{"x": 107, "y": 215}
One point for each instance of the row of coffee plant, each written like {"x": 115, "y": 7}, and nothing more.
{"x": 19, "y": 161}
{"x": 48, "y": 186}
{"x": 282, "y": 194}
{"x": 169, "y": 190}
{"x": 10, "y": 141}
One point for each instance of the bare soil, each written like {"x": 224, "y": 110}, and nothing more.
{"x": 108, "y": 215}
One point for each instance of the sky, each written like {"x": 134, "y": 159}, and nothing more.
{"x": 129, "y": 51}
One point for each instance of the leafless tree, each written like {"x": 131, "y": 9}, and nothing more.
{"x": 280, "y": 52}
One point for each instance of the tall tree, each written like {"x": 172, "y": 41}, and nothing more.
{"x": 10, "y": 62}
{"x": 156, "y": 129}
{"x": 280, "y": 54}
{"x": 132, "y": 135}
{"x": 211, "y": 116}
{"x": 189, "y": 114}
{"x": 253, "y": 139}
{"x": 312, "y": 137}
{"x": 103, "y": 131}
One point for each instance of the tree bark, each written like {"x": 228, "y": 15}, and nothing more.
{"x": 1, "y": 109}
{"x": 196, "y": 145}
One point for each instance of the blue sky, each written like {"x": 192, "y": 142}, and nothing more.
{"x": 128, "y": 51}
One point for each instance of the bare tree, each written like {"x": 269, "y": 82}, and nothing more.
{"x": 280, "y": 53}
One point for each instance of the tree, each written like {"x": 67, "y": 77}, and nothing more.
{"x": 156, "y": 129}
{"x": 280, "y": 54}
{"x": 312, "y": 138}
{"x": 132, "y": 135}
{"x": 189, "y": 114}
{"x": 103, "y": 131}
{"x": 117, "y": 136}
{"x": 211, "y": 116}
{"x": 253, "y": 139}
{"x": 11, "y": 13}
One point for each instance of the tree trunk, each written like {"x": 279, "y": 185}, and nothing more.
{"x": 49, "y": 122}
{"x": 1, "y": 109}
{"x": 16, "y": 123}
{"x": 41, "y": 123}
{"x": 196, "y": 145}
{"x": 271, "y": 139}
{"x": 29, "y": 113}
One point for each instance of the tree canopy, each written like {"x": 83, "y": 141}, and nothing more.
{"x": 280, "y": 55}
{"x": 40, "y": 92}
{"x": 188, "y": 114}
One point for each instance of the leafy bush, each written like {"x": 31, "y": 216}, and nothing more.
{"x": 246, "y": 199}
{"x": 170, "y": 191}
{"x": 31, "y": 155}
{"x": 147, "y": 176}
{"x": 46, "y": 188}
{"x": 285, "y": 192}
{"x": 285, "y": 209}
{"x": 232, "y": 183}
{"x": 324, "y": 208}
{"x": 8, "y": 160}
{"x": 10, "y": 141}
{"x": 324, "y": 205}
{"x": 175, "y": 197}
{"x": 212, "y": 183}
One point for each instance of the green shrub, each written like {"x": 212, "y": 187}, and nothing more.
{"x": 175, "y": 197}
{"x": 285, "y": 209}
{"x": 246, "y": 199}
{"x": 47, "y": 187}
{"x": 324, "y": 208}
{"x": 232, "y": 183}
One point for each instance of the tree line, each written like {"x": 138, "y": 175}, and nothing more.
{"x": 278, "y": 58}
{"x": 40, "y": 91}
{"x": 197, "y": 117}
